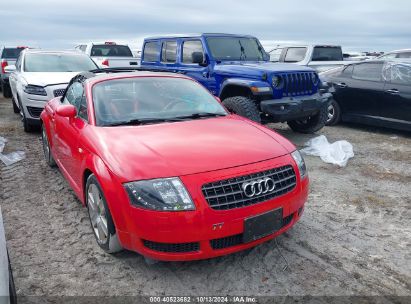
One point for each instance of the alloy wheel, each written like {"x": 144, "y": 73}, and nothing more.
{"x": 330, "y": 113}
{"x": 97, "y": 213}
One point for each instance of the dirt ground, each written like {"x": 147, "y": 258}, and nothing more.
{"x": 353, "y": 239}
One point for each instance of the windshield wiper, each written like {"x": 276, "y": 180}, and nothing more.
{"x": 142, "y": 121}
{"x": 200, "y": 115}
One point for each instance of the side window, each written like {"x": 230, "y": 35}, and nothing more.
{"x": 371, "y": 71}
{"x": 169, "y": 52}
{"x": 75, "y": 94}
{"x": 82, "y": 110}
{"x": 295, "y": 54}
{"x": 190, "y": 47}
{"x": 347, "y": 72}
{"x": 151, "y": 52}
{"x": 18, "y": 63}
{"x": 404, "y": 55}
{"x": 275, "y": 55}
{"x": 401, "y": 74}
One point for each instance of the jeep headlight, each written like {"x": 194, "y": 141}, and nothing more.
{"x": 300, "y": 163}
{"x": 165, "y": 194}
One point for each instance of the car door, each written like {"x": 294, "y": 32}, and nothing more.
{"x": 396, "y": 103}
{"x": 69, "y": 148}
{"x": 200, "y": 72}
{"x": 363, "y": 90}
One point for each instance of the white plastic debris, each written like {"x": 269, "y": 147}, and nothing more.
{"x": 11, "y": 158}
{"x": 337, "y": 153}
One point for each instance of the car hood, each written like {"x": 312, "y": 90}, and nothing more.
{"x": 182, "y": 148}
{"x": 48, "y": 78}
{"x": 257, "y": 69}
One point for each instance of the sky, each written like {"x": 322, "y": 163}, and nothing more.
{"x": 356, "y": 25}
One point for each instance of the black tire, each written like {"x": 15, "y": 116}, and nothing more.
{"x": 6, "y": 90}
{"x": 12, "y": 287}
{"x": 46, "y": 147}
{"x": 310, "y": 124}
{"x": 243, "y": 106}
{"x": 15, "y": 107}
{"x": 333, "y": 113}
{"x": 28, "y": 128}
{"x": 111, "y": 244}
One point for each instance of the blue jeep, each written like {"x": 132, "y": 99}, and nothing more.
{"x": 236, "y": 69}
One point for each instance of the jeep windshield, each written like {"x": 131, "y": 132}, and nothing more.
{"x": 236, "y": 48}
{"x": 152, "y": 100}
{"x": 48, "y": 62}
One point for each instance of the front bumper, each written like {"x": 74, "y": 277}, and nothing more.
{"x": 213, "y": 232}
{"x": 294, "y": 108}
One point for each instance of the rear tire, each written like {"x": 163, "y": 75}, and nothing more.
{"x": 243, "y": 106}
{"x": 101, "y": 221}
{"x": 333, "y": 114}
{"x": 310, "y": 124}
{"x": 6, "y": 90}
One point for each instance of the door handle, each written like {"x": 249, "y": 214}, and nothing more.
{"x": 393, "y": 92}
{"x": 341, "y": 85}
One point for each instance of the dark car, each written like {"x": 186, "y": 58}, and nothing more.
{"x": 374, "y": 92}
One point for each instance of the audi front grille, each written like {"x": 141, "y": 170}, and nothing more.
{"x": 230, "y": 194}
{"x": 59, "y": 92}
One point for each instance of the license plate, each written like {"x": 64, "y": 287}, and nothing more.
{"x": 262, "y": 225}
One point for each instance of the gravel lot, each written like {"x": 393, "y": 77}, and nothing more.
{"x": 354, "y": 237}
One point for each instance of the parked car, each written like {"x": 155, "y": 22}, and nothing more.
{"x": 109, "y": 54}
{"x": 236, "y": 69}
{"x": 8, "y": 56}
{"x": 398, "y": 54}
{"x": 318, "y": 57}
{"x": 38, "y": 76}
{"x": 375, "y": 92}
{"x": 166, "y": 171}
{"x": 8, "y": 293}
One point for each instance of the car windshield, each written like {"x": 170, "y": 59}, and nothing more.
{"x": 110, "y": 50}
{"x": 11, "y": 53}
{"x": 140, "y": 100}
{"x": 58, "y": 63}
{"x": 236, "y": 48}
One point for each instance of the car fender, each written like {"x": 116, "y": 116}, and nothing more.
{"x": 241, "y": 82}
{"x": 110, "y": 186}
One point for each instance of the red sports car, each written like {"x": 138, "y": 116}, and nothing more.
{"x": 166, "y": 171}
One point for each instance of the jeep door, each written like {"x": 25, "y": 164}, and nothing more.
{"x": 199, "y": 71}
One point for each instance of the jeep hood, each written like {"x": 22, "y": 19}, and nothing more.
{"x": 256, "y": 69}
{"x": 48, "y": 78}
{"x": 182, "y": 148}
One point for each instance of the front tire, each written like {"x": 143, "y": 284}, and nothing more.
{"x": 46, "y": 147}
{"x": 243, "y": 106}
{"x": 100, "y": 217}
{"x": 15, "y": 107}
{"x": 334, "y": 113}
{"x": 310, "y": 124}
{"x": 28, "y": 128}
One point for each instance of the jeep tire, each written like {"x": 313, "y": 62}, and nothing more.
{"x": 243, "y": 106}
{"x": 310, "y": 124}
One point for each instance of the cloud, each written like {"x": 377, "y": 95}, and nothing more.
{"x": 356, "y": 25}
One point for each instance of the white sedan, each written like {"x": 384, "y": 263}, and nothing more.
{"x": 39, "y": 76}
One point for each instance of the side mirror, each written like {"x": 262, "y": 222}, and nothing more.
{"x": 10, "y": 68}
{"x": 198, "y": 57}
{"x": 69, "y": 111}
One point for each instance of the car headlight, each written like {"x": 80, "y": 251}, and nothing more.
{"x": 35, "y": 90}
{"x": 277, "y": 82}
{"x": 165, "y": 194}
{"x": 300, "y": 163}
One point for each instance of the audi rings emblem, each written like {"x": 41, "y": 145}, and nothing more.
{"x": 258, "y": 187}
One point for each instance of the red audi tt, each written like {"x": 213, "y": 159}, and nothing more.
{"x": 166, "y": 171}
